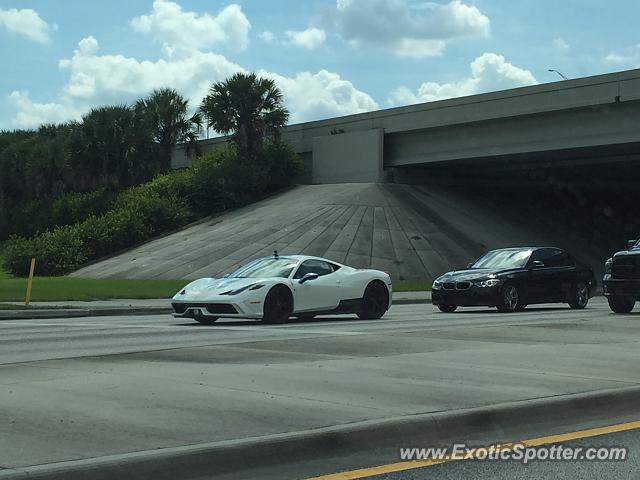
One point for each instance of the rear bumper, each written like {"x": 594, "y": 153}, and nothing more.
{"x": 621, "y": 287}
{"x": 472, "y": 297}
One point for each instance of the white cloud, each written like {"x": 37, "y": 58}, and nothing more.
{"x": 310, "y": 38}
{"x": 321, "y": 95}
{"x": 26, "y": 22}
{"x": 97, "y": 79}
{"x": 416, "y": 31}
{"x": 561, "y": 45}
{"x": 94, "y": 76}
{"x": 489, "y": 72}
{"x": 629, "y": 57}
{"x": 32, "y": 114}
{"x": 181, "y": 31}
{"x": 267, "y": 36}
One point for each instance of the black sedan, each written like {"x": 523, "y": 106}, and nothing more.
{"x": 512, "y": 278}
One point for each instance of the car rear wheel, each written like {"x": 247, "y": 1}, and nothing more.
{"x": 509, "y": 299}
{"x": 579, "y": 297}
{"x": 621, "y": 304}
{"x": 278, "y": 305}
{"x": 375, "y": 301}
{"x": 203, "y": 319}
{"x": 447, "y": 308}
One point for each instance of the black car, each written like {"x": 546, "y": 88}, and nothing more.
{"x": 512, "y": 278}
{"x": 621, "y": 282}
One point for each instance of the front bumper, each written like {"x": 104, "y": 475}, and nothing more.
{"x": 621, "y": 287}
{"x": 473, "y": 296}
{"x": 218, "y": 307}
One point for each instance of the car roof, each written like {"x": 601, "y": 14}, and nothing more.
{"x": 522, "y": 248}
{"x": 302, "y": 258}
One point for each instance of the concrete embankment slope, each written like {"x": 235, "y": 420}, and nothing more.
{"x": 413, "y": 232}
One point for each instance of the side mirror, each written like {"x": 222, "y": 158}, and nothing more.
{"x": 226, "y": 275}
{"x": 470, "y": 264}
{"x": 631, "y": 244}
{"x": 307, "y": 277}
{"x": 537, "y": 264}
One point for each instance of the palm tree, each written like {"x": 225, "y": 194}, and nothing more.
{"x": 247, "y": 107}
{"x": 165, "y": 113}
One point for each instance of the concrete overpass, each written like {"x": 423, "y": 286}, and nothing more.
{"x": 550, "y": 164}
{"x": 587, "y": 120}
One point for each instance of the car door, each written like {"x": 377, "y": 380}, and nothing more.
{"x": 542, "y": 281}
{"x": 321, "y": 294}
{"x": 564, "y": 269}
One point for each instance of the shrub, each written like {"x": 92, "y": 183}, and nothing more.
{"x": 68, "y": 208}
{"x": 282, "y": 162}
{"x": 214, "y": 183}
{"x": 57, "y": 252}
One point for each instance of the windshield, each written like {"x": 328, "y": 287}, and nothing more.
{"x": 503, "y": 259}
{"x": 266, "y": 268}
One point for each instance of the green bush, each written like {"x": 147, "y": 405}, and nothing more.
{"x": 282, "y": 162}
{"x": 45, "y": 214}
{"x": 213, "y": 183}
{"x": 57, "y": 252}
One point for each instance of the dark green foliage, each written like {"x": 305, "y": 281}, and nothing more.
{"x": 40, "y": 215}
{"x": 215, "y": 182}
{"x": 247, "y": 107}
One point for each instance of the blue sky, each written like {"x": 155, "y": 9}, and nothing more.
{"x": 330, "y": 57}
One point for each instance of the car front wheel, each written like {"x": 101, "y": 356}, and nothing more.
{"x": 278, "y": 305}
{"x": 621, "y": 304}
{"x": 204, "y": 319}
{"x": 447, "y": 308}
{"x": 374, "y": 301}
{"x": 509, "y": 299}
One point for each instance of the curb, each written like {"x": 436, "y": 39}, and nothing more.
{"x": 500, "y": 422}
{"x": 122, "y": 311}
{"x": 80, "y": 312}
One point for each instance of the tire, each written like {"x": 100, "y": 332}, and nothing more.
{"x": 447, "y": 308}
{"x": 375, "y": 301}
{"x": 621, "y": 304}
{"x": 278, "y": 305}
{"x": 510, "y": 300}
{"x": 579, "y": 296}
{"x": 204, "y": 320}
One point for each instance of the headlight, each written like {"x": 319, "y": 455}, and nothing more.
{"x": 492, "y": 282}
{"x": 437, "y": 284}
{"x": 607, "y": 266}
{"x": 255, "y": 286}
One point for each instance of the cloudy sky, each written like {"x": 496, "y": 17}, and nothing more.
{"x": 330, "y": 57}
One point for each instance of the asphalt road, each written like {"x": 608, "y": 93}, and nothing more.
{"x": 89, "y": 387}
{"x": 561, "y": 470}
{"x": 32, "y": 340}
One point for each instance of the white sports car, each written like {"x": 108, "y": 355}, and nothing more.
{"x": 278, "y": 287}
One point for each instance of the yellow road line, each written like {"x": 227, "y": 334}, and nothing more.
{"x": 534, "y": 442}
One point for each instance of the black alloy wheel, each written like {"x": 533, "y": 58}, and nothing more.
{"x": 375, "y": 301}
{"x": 509, "y": 299}
{"x": 203, "y": 319}
{"x": 278, "y": 305}
{"x": 579, "y": 296}
{"x": 447, "y": 308}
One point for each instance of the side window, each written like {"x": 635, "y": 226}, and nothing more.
{"x": 543, "y": 255}
{"x": 560, "y": 259}
{"x": 313, "y": 266}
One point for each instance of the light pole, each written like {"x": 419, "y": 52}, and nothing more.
{"x": 563, "y": 77}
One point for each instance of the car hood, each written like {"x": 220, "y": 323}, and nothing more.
{"x": 208, "y": 287}
{"x": 628, "y": 253}
{"x": 475, "y": 274}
